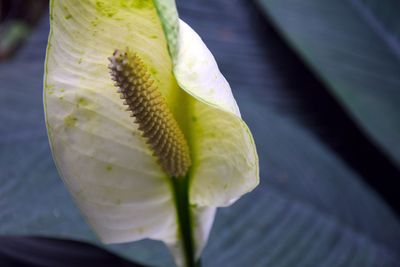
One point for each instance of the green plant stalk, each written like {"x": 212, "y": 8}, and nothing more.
{"x": 181, "y": 194}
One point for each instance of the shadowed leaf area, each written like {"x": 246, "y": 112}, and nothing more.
{"x": 35, "y": 251}
{"x": 354, "y": 47}
{"x": 312, "y": 208}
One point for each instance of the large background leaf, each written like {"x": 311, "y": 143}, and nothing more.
{"x": 311, "y": 208}
{"x": 353, "y": 46}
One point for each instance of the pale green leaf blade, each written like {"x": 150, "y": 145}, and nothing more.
{"x": 170, "y": 21}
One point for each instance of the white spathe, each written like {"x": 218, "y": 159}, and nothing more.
{"x": 99, "y": 152}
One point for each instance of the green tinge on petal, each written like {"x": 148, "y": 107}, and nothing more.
{"x": 98, "y": 150}
{"x": 225, "y": 162}
{"x": 225, "y": 165}
{"x": 170, "y": 22}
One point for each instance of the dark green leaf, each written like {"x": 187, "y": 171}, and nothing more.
{"x": 50, "y": 252}
{"x": 353, "y": 46}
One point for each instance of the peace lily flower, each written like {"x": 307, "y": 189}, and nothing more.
{"x": 186, "y": 151}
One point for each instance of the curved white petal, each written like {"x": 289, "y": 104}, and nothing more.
{"x": 203, "y": 221}
{"x": 197, "y": 72}
{"x": 225, "y": 163}
{"x": 104, "y": 161}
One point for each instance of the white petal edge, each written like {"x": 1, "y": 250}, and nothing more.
{"x": 225, "y": 159}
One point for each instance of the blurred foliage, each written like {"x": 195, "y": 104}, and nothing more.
{"x": 312, "y": 208}
{"x": 354, "y": 47}
{"x": 17, "y": 18}
{"x": 49, "y": 252}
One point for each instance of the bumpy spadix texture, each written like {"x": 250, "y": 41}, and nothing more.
{"x": 152, "y": 114}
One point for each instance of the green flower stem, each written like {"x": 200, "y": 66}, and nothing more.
{"x": 181, "y": 194}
